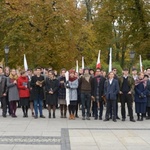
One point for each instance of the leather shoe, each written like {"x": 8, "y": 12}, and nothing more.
{"x": 41, "y": 116}
{"x": 83, "y": 118}
{"x": 132, "y": 120}
{"x": 123, "y": 119}
{"x": 95, "y": 118}
{"x": 106, "y": 119}
{"x": 117, "y": 118}
{"x": 100, "y": 118}
{"x": 114, "y": 120}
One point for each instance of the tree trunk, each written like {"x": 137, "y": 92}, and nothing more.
{"x": 89, "y": 12}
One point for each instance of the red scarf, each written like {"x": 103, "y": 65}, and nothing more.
{"x": 72, "y": 79}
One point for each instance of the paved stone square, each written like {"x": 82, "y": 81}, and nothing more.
{"x": 63, "y": 134}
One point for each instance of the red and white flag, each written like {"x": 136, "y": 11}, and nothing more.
{"x": 98, "y": 65}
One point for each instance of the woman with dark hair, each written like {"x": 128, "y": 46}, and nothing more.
{"x": 140, "y": 96}
{"x": 13, "y": 94}
{"x": 24, "y": 94}
{"x": 73, "y": 96}
{"x": 51, "y": 87}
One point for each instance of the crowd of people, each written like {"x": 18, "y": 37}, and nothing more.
{"x": 89, "y": 90}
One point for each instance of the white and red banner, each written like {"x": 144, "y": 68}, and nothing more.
{"x": 98, "y": 64}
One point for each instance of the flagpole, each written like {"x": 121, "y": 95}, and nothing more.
{"x": 141, "y": 66}
{"x": 82, "y": 62}
{"x": 110, "y": 60}
{"x": 77, "y": 66}
{"x": 25, "y": 63}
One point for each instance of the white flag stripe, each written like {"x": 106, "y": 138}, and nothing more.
{"x": 25, "y": 63}
{"x": 110, "y": 60}
{"x": 82, "y": 62}
{"x": 141, "y": 66}
{"x": 77, "y": 66}
{"x": 67, "y": 90}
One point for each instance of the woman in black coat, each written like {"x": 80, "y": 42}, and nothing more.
{"x": 51, "y": 87}
{"x": 140, "y": 96}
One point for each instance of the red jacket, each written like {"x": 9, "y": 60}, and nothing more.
{"x": 23, "y": 90}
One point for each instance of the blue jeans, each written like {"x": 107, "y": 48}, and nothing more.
{"x": 86, "y": 103}
{"x": 38, "y": 103}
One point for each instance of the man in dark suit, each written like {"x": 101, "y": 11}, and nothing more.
{"x": 126, "y": 84}
{"x": 111, "y": 89}
{"x": 97, "y": 93}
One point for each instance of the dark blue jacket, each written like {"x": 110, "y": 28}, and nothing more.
{"x": 111, "y": 90}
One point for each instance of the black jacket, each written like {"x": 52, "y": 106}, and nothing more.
{"x": 3, "y": 85}
{"x": 37, "y": 91}
{"x": 101, "y": 87}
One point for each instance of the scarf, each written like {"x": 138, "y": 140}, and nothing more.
{"x": 87, "y": 77}
{"x": 72, "y": 79}
{"x": 1, "y": 78}
{"x": 138, "y": 81}
{"x": 13, "y": 77}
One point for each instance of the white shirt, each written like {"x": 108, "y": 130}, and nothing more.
{"x": 110, "y": 81}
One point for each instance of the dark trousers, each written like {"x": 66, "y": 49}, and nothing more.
{"x": 13, "y": 107}
{"x": 86, "y": 101}
{"x": 8, "y": 105}
{"x": 3, "y": 101}
{"x": 95, "y": 106}
{"x": 72, "y": 107}
{"x": 111, "y": 105}
{"x": 126, "y": 98}
{"x": 116, "y": 110}
{"x": 148, "y": 111}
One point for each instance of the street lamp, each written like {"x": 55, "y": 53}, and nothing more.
{"x": 132, "y": 55}
{"x": 6, "y": 49}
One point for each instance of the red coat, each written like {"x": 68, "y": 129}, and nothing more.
{"x": 23, "y": 90}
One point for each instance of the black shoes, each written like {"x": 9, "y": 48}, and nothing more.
{"x": 114, "y": 120}
{"x": 42, "y": 116}
{"x": 123, "y": 119}
{"x": 83, "y": 118}
{"x": 76, "y": 116}
{"x": 95, "y": 118}
{"x": 4, "y": 115}
{"x": 35, "y": 117}
{"x": 54, "y": 115}
{"x": 106, "y": 119}
{"x": 100, "y": 118}
{"x": 87, "y": 118}
{"x": 49, "y": 116}
{"x": 117, "y": 118}
{"x": 132, "y": 120}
